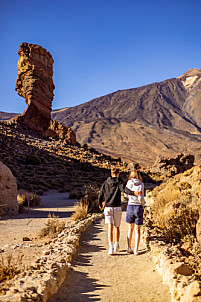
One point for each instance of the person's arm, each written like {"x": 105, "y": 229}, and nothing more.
{"x": 126, "y": 190}
{"x": 129, "y": 192}
{"x": 101, "y": 197}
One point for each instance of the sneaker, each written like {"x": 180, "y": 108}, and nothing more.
{"x": 110, "y": 251}
{"x": 129, "y": 250}
{"x": 116, "y": 247}
{"x": 135, "y": 251}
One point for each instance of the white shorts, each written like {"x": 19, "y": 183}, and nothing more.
{"x": 113, "y": 215}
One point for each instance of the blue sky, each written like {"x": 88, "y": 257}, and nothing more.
{"x": 99, "y": 46}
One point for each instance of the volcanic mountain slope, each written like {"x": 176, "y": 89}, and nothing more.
{"x": 139, "y": 124}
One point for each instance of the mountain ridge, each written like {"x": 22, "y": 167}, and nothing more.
{"x": 138, "y": 124}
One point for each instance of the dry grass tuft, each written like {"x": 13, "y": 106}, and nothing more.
{"x": 88, "y": 203}
{"x": 10, "y": 267}
{"x": 23, "y": 197}
{"x": 53, "y": 227}
{"x": 81, "y": 211}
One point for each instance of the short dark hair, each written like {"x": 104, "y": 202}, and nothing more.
{"x": 114, "y": 170}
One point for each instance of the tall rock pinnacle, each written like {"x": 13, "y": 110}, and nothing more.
{"x": 34, "y": 83}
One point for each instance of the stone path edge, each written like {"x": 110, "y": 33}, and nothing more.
{"x": 170, "y": 265}
{"x": 45, "y": 277}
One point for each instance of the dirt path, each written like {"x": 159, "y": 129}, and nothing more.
{"x": 12, "y": 230}
{"x": 28, "y": 224}
{"x": 96, "y": 276}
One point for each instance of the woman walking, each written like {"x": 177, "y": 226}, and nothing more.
{"x": 135, "y": 210}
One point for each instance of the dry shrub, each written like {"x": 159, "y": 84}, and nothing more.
{"x": 174, "y": 210}
{"x": 179, "y": 221}
{"x": 164, "y": 197}
{"x": 75, "y": 194}
{"x": 10, "y": 267}
{"x": 53, "y": 227}
{"x": 88, "y": 203}
{"x": 23, "y": 197}
{"x": 91, "y": 198}
{"x": 1, "y": 212}
{"x": 80, "y": 211}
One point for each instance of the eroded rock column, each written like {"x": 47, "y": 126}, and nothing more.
{"x": 35, "y": 84}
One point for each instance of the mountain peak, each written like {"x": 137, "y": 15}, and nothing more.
{"x": 190, "y": 77}
{"x": 191, "y": 73}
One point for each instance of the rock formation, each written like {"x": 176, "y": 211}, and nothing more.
{"x": 8, "y": 191}
{"x": 172, "y": 166}
{"x": 35, "y": 84}
{"x": 57, "y": 129}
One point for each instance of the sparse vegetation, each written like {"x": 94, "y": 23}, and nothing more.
{"x": 53, "y": 227}
{"x": 90, "y": 198}
{"x": 88, "y": 203}
{"x": 1, "y": 212}
{"x": 10, "y": 267}
{"x": 75, "y": 193}
{"x": 80, "y": 211}
{"x": 175, "y": 208}
{"x": 23, "y": 197}
{"x": 46, "y": 163}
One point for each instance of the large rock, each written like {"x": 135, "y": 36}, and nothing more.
{"x": 172, "y": 166}
{"x": 35, "y": 84}
{"x": 8, "y": 191}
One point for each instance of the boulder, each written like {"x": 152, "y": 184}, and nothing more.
{"x": 172, "y": 166}
{"x": 8, "y": 191}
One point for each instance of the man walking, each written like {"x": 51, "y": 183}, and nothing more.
{"x": 110, "y": 193}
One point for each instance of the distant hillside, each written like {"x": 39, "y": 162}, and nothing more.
{"x": 140, "y": 123}
{"x": 4, "y": 116}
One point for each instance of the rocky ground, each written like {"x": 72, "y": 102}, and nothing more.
{"x": 40, "y": 163}
{"x": 96, "y": 276}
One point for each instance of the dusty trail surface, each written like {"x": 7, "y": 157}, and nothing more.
{"x": 96, "y": 276}
{"x": 28, "y": 224}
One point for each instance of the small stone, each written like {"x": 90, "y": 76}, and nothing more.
{"x": 26, "y": 239}
{"x": 182, "y": 269}
{"x": 46, "y": 252}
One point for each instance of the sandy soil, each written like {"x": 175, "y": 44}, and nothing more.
{"x": 96, "y": 276}
{"x": 28, "y": 224}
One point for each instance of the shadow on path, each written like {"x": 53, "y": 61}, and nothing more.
{"x": 77, "y": 285}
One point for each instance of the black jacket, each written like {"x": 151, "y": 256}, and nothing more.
{"x": 111, "y": 192}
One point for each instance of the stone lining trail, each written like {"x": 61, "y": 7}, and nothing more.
{"x": 96, "y": 276}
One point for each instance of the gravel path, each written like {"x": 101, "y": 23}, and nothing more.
{"x": 96, "y": 276}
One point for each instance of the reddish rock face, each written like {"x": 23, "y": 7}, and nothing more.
{"x": 57, "y": 129}
{"x": 35, "y": 84}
